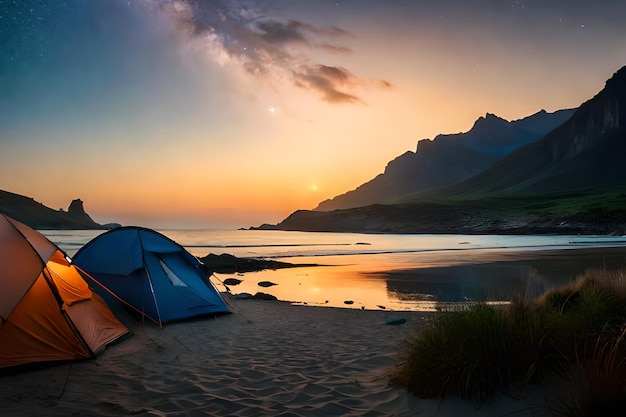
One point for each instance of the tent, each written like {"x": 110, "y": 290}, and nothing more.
{"x": 47, "y": 311}
{"x": 150, "y": 273}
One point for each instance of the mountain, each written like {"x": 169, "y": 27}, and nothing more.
{"x": 449, "y": 159}
{"x": 570, "y": 181}
{"x": 38, "y": 216}
{"x": 586, "y": 152}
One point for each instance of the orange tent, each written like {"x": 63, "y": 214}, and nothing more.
{"x": 47, "y": 311}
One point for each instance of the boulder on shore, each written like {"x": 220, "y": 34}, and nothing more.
{"x": 230, "y": 264}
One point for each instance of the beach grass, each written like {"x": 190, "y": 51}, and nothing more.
{"x": 575, "y": 332}
{"x": 457, "y": 355}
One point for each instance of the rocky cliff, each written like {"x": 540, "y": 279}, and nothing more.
{"x": 38, "y": 216}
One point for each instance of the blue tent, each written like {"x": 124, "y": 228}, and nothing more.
{"x": 151, "y": 273}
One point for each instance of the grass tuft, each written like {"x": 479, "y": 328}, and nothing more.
{"x": 577, "y": 331}
{"x": 464, "y": 353}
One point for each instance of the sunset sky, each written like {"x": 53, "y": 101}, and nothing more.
{"x": 227, "y": 114}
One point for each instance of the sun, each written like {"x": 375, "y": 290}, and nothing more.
{"x": 314, "y": 187}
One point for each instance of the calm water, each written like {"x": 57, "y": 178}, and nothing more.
{"x": 395, "y": 272}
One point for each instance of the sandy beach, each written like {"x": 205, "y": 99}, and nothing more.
{"x": 268, "y": 358}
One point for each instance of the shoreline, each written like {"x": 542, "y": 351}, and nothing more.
{"x": 429, "y": 281}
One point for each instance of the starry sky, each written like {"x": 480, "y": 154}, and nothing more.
{"x": 226, "y": 114}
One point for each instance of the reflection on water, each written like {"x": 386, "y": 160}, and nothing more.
{"x": 434, "y": 284}
{"x": 499, "y": 277}
{"x": 321, "y": 286}
{"x": 395, "y": 272}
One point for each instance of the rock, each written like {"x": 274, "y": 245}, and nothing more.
{"x": 232, "y": 281}
{"x": 243, "y": 296}
{"x": 230, "y": 264}
{"x": 266, "y": 284}
{"x": 264, "y": 296}
{"x": 76, "y": 208}
{"x": 348, "y": 302}
{"x": 395, "y": 320}
{"x": 77, "y": 213}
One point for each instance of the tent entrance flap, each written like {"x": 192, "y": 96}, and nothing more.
{"x": 171, "y": 275}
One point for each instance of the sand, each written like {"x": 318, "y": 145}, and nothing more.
{"x": 268, "y": 358}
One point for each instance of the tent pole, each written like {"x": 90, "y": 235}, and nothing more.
{"x": 143, "y": 260}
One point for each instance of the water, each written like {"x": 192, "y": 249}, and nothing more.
{"x": 394, "y": 272}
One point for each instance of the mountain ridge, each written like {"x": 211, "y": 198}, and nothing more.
{"x": 570, "y": 181}
{"x": 565, "y": 159}
{"x": 449, "y": 158}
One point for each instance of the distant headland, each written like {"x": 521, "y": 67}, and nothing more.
{"x": 38, "y": 216}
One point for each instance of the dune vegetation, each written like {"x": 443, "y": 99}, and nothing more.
{"x": 573, "y": 334}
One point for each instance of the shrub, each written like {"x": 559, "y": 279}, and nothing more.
{"x": 595, "y": 302}
{"x": 464, "y": 353}
{"x": 532, "y": 346}
{"x": 577, "y": 330}
{"x": 596, "y": 377}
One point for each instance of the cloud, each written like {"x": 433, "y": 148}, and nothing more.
{"x": 240, "y": 34}
{"x": 335, "y": 83}
{"x": 276, "y": 32}
{"x": 328, "y": 81}
{"x": 296, "y": 32}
